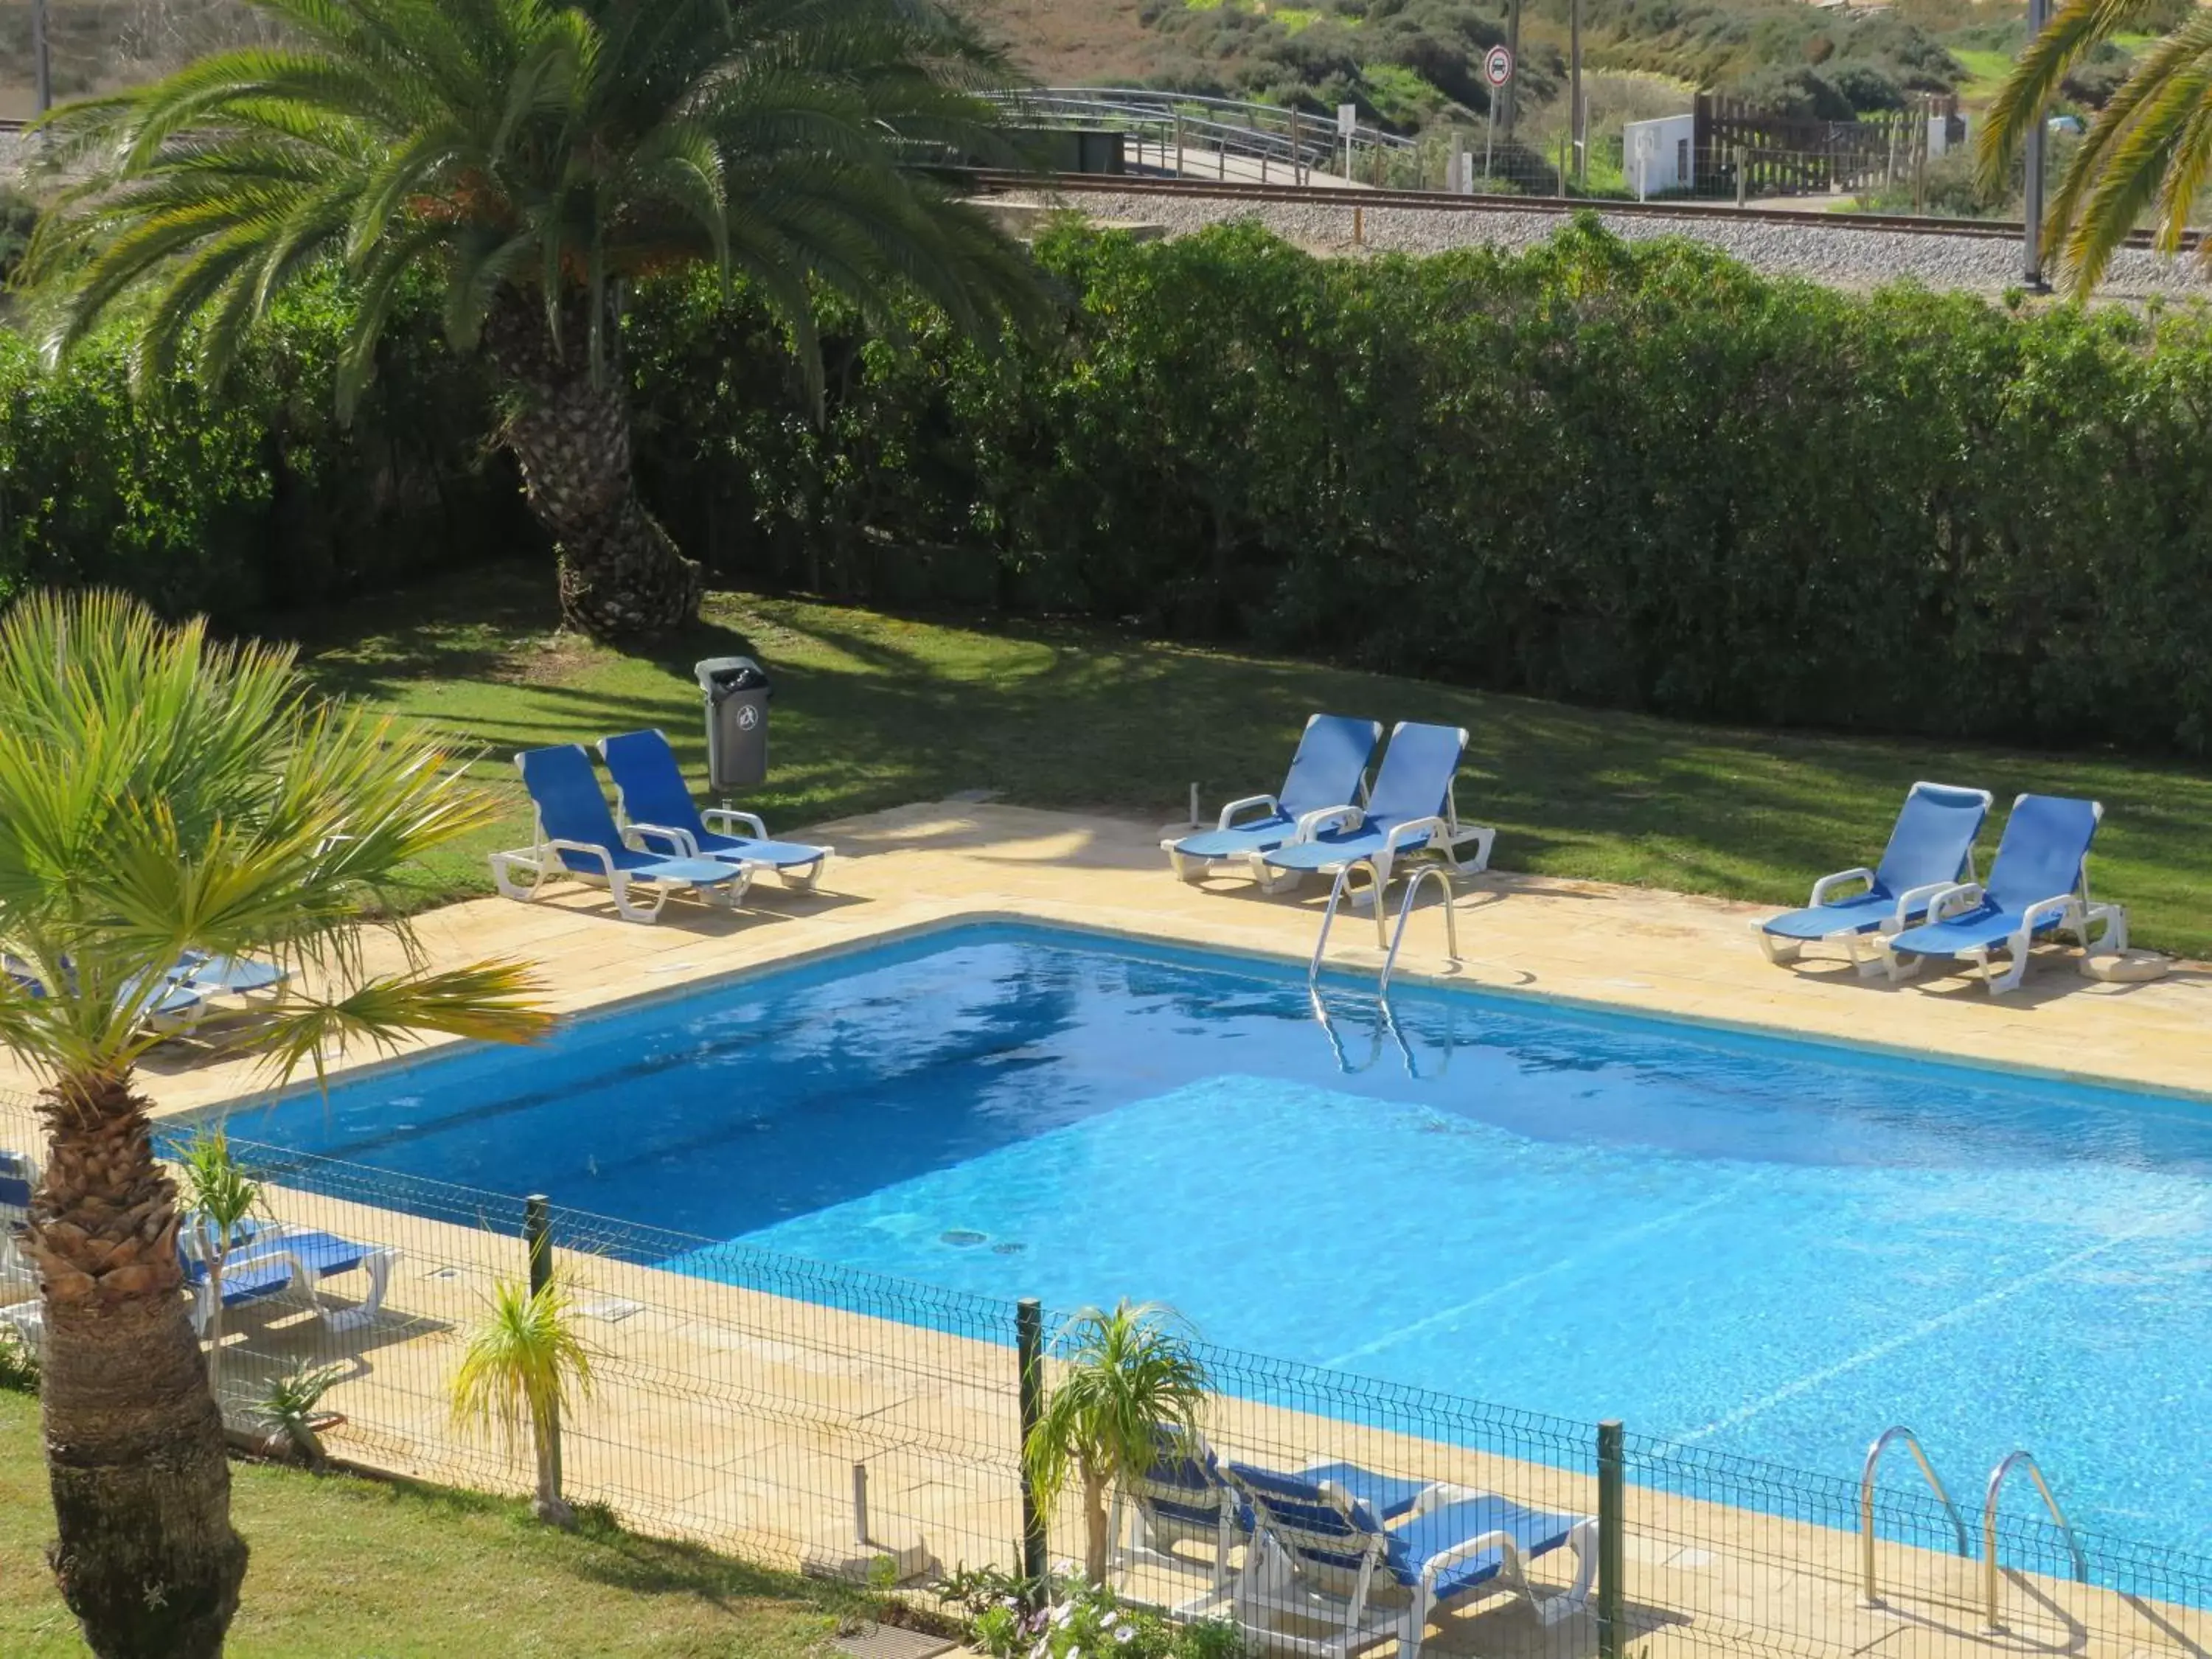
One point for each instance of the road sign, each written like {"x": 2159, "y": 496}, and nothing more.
{"x": 1347, "y": 119}
{"x": 1497, "y": 66}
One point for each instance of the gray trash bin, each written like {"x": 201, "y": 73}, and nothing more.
{"x": 737, "y": 690}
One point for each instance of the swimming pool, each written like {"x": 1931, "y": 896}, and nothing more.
{"x": 1766, "y": 1247}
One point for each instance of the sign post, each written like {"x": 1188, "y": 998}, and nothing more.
{"x": 1497, "y": 70}
{"x": 1347, "y": 123}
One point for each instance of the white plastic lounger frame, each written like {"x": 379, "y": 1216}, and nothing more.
{"x": 1273, "y": 1585}
{"x": 2066, "y": 913}
{"x": 1443, "y": 835}
{"x": 304, "y": 1283}
{"x": 542, "y": 863}
{"x": 681, "y": 843}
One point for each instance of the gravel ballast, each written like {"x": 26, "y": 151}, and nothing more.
{"x": 1840, "y": 255}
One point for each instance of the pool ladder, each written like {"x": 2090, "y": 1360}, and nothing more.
{"x": 1396, "y": 937}
{"x": 1992, "y": 1578}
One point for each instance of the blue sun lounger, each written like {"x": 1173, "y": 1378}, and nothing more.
{"x": 2039, "y": 884}
{"x": 268, "y": 1263}
{"x": 1184, "y": 1499}
{"x": 657, "y": 807}
{"x": 211, "y": 975}
{"x": 1328, "y": 1561}
{"x": 18, "y": 1177}
{"x": 1410, "y": 810}
{"x": 1931, "y": 849}
{"x": 577, "y": 837}
{"x": 1328, "y": 769}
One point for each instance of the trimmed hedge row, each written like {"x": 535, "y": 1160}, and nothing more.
{"x": 1639, "y": 476}
{"x": 253, "y": 499}
{"x": 1636, "y": 476}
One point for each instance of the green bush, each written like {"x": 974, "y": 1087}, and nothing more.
{"x": 1637, "y": 475}
{"x": 252, "y": 498}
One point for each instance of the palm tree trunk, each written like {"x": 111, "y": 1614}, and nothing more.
{"x": 145, "y": 1557}
{"x": 1096, "y": 1544}
{"x": 621, "y": 574}
{"x": 546, "y": 1434}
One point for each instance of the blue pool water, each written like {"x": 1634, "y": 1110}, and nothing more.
{"x": 1764, "y": 1247}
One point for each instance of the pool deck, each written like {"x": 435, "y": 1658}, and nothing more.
{"x": 736, "y": 1416}
{"x": 1622, "y": 947}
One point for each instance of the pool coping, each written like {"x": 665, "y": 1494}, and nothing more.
{"x": 905, "y": 932}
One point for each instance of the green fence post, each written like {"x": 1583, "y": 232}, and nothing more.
{"x": 538, "y": 1239}
{"x": 1612, "y": 1529}
{"x": 1029, "y": 1342}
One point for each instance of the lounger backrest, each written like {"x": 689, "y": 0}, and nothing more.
{"x": 1934, "y": 837}
{"x": 1184, "y": 1482}
{"x": 1417, "y": 769}
{"x": 566, "y": 792}
{"x": 1314, "y": 1526}
{"x": 15, "y": 1185}
{"x": 1330, "y": 769}
{"x": 2046, "y": 841}
{"x": 648, "y": 782}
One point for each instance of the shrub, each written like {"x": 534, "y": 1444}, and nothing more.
{"x": 1639, "y": 476}
{"x": 251, "y": 498}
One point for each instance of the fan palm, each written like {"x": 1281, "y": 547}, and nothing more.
{"x": 2149, "y": 151}
{"x": 1127, "y": 1379}
{"x": 529, "y": 157}
{"x": 160, "y": 793}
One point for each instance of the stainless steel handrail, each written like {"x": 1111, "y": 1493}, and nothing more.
{"x": 1899, "y": 1431}
{"x": 1336, "y": 892}
{"x": 1405, "y": 910}
{"x": 1991, "y": 1577}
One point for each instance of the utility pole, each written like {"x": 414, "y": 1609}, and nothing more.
{"x": 1512, "y": 86}
{"x": 1575, "y": 133}
{"x": 2039, "y": 14}
{"x": 42, "y": 68}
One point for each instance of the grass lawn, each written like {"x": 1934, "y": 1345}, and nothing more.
{"x": 874, "y": 710}
{"x": 355, "y": 1568}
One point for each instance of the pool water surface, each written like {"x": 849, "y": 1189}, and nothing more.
{"x": 1766, "y": 1247}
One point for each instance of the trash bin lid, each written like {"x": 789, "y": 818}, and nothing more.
{"x": 719, "y": 676}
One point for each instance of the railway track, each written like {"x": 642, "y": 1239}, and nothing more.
{"x": 1427, "y": 201}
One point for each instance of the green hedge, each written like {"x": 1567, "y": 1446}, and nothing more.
{"x": 255, "y": 500}
{"x": 1637, "y": 475}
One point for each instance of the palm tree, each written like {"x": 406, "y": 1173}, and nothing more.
{"x": 523, "y": 1361}
{"x": 219, "y": 1196}
{"x": 2148, "y": 150}
{"x": 1128, "y": 1377}
{"x": 530, "y": 157}
{"x": 160, "y": 793}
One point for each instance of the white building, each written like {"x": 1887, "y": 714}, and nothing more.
{"x": 1657, "y": 156}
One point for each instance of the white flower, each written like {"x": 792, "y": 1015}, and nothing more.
{"x": 1125, "y": 1635}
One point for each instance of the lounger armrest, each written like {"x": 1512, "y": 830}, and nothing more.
{"x": 1444, "y": 1560}
{"x": 720, "y": 818}
{"x": 1329, "y": 817}
{"x": 1412, "y": 830}
{"x": 1954, "y": 901}
{"x": 2063, "y": 903}
{"x": 681, "y": 843}
{"x": 583, "y": 849}
{"x": 1228, "y": 812}
{"x": 1916, "y": 898}
{"x": 1825, "y": 889}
